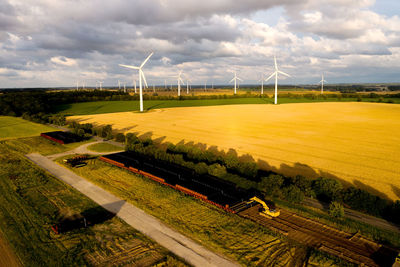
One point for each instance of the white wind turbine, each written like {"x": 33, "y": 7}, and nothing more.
{"x": 141, "y": 76}
{"x": 262, "y": 83}
{"x": 134, "y": 84}
{"x": 187, "y": 85}
{"x": 124, "y": 87}
{"x": 100, "y": 84}
{"x": 235, "y": 79}
{"x": 276, "y": 79}
{"x": 119, "y": 85}
{"x": 179, "y": 82}
{"x": 322, "y": 84}
{"x": 77, "y": 85}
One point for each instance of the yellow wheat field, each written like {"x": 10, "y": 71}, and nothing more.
{"x": 355, "y": 142}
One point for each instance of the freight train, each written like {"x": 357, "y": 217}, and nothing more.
{"x": 205, "y": 186}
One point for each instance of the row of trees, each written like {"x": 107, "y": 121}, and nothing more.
{"x": 248, "y": 175}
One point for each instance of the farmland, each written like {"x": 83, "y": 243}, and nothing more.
{"x": 31, "y": 201}
{"x": 99, "y": 107}
{"x": 353, "y": 142}
{"x": 12, "y": 127}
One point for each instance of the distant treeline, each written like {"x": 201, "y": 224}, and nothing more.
{"x": 246, "y": 174}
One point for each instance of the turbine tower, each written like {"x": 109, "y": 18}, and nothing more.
{"x": 77, "y": 85}
{"x": 179, "y": 82}
{"x": 276, "y": 79}
{"x": 124, "y": 87}
{"x": 100, "y": 84}
{"x": 262, "y": 83}
{"x": 119, "y": 85}
{"x": 141, "y": 76}
{"x": 187, "y": 85}
{"x": 322, "y": 84}
{"x": 134, "y": 84}
{"x": 235, "y": 79}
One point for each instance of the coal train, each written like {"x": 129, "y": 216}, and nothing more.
{"x": 205, "y": 186}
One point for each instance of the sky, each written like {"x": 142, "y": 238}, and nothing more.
{"x": 47, "y": 43}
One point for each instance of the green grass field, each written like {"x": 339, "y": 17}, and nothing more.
{"x": 31, "y": 201}
{"x": 238, "y": 238}
{"x": 104, "y": 147}
{"x": 13, "y": 127}
{"x": 87, "y": 108}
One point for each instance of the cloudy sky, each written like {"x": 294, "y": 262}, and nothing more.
{"x": 46, "y": 43}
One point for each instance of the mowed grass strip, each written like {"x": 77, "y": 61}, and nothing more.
{"x": 31, "y": 201}
{"x": 355, "y": 142}
{"x": 229, "y": 234}
{"x": 104, "y": 147}
{"x": 14, "y": 127}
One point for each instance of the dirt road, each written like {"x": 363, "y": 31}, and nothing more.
{"x": 7, "y": 256}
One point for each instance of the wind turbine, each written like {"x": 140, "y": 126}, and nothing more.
{"x": 134, "y": 84}
{"x": 124, "y": 87}
{"x": 235, "y": 78}
{"x": 141, "y": 76}
{"x": 276, "y": 79}
{"x": 262, "y": 83}
{"x": 100, "y": 83}
{"x": 322, "y": 84}
{"x": 187, "y": 85}
{"x": 77, "y": 85}
{"x": 179, "y": 82}
{"x": 119, "y": 85}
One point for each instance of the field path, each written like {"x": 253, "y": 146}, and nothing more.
{"x": 7, "y": 255}
{"x": 178, "y": 244}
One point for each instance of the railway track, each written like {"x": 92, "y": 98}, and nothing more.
{"x": 351, "y": 247}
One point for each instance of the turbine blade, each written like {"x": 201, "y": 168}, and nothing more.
{"x": 144, "y": 78}
{"x": 272, "y": 75}
{"x": 182, "y": 81}
{"x": 232, "y": 79}
{"x": 276, "y": 65}
{"x": 281, "y": 72}
{"x": 144, "y": 62}
{"x": 128, "y": 66}
{"x": 239, "y": 79}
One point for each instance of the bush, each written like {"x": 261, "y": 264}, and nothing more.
{"x": 120, "y": 137}
{"x": 293, "y": 194}
{"x": 336, "y": 209}
{"x": 271, "y": 185}
{"x": 326, "y": 189}
{"x": 201, "y": 168}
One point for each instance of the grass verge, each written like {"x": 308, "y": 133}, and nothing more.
{"x": 104, "y": 147}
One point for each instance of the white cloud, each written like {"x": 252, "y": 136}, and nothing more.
{"x": 63, "y": 61}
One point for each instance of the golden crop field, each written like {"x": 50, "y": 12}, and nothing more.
{"x": 355, "y": 142}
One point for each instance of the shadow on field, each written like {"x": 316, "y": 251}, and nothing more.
{"x": 88, "y": 218}
{"x": 396, "y": 190}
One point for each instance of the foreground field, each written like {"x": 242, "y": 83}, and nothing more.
{"x": 12, "y": 127}
{"x": 356, "y": 142}
{"x": 31, "y": 201}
